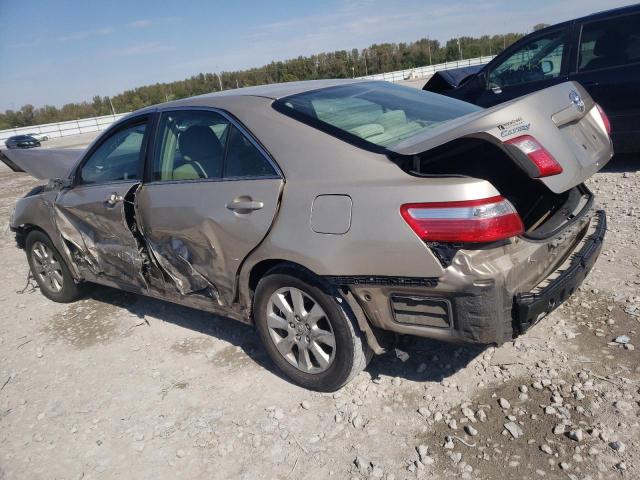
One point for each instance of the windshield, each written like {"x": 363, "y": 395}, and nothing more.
{"x": 381, "y": 114}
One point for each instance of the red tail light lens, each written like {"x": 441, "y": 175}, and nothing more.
{"x": 473, "y": 221}
{"x": 547, "y": 165}
{"x": 605, "y": 119}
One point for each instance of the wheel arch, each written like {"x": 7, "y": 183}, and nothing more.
{"x": 346, "y": 299}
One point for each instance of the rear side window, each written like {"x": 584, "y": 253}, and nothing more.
{"x": 372, "y": 114}
{"x": 610, "y": 43}
{"x": 198, "y": 144}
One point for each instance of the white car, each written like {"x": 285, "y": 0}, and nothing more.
{"x": 39, "y": 136}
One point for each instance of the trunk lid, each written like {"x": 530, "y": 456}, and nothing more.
{"x": 563, "y": 119}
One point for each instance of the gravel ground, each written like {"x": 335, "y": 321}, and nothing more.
{"x": 119, "y": 386}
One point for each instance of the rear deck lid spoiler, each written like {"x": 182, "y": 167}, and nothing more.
{"x": 562, "y": 118}
{"x": 43, "y": 164}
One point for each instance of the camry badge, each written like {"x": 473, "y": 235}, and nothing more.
{"x": 577, "y": 101}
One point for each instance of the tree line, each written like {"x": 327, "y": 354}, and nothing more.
{"x": 377, "y": 58}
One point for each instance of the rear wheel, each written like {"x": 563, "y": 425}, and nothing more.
{"x": 49, "y": 269}
{"x": 311, "y": 337}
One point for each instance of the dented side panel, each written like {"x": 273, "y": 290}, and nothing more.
{"x": 97, "y": 232}
{"x": 199, "y": 242}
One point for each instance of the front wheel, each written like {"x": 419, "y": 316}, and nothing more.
{"x": 49, "y": 269}
{"x": 309, "y": 335}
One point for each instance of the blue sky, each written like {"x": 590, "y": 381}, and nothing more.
{"x": 57, "y": 51}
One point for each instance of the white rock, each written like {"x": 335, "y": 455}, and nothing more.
{"x": 423, "y": 451}
{"x": 514, "y": 429}
{"x": 576, "y": 435}
{"x": 471, "y": 431}
{"x": 504, "y": 403}
{"x": 618, "y": 446}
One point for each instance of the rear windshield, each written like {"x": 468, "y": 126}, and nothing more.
{"x": 374, "y": 114}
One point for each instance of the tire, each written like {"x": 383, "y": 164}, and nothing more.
{"x": 40, "y": 250}
{"x": 346, "y": 359}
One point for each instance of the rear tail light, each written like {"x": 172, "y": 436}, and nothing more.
{"x": 472, "y": 221}
{"x": 547, "y": 165}
{"x": 605, "y": 120}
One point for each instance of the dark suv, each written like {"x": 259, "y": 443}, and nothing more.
{"x": 601, "y": 51}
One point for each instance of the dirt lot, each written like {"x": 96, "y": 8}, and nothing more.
{"x": 118, "y": 386}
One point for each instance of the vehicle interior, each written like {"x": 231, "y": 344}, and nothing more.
{"x": 381, "y": 114}
{"x": 204, "y": 145}
{"x": 115, "y": 159}
{"x": 535, "y": 61}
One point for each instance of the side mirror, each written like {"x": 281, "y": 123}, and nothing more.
{"x": 476, "y": 82}
{"x": 547, "y": 66}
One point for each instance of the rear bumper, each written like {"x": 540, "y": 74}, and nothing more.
{"x": 485, "y": 297}
{"x": 530, "y": 307}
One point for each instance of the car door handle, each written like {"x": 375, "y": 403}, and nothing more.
{"x": 590, "y": 84}
{"x": 244, "y": 204}
{"x": 496, "y": 90}
{"x": 113, "y": 199}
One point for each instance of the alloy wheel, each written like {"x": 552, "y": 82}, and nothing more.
{"x": 301, "y": 330}
{"x": 47, "y": 267}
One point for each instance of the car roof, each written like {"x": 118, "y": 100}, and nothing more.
{"x": 611, "y": 12}
{"x": 279, "y": 90}
{"x": 272, "y": 91}
{"x": 629, "y": 9}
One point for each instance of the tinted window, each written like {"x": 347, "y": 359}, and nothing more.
{"x": 244, "y": 159}
{"x": 195, "y": 144}
{"x": 117, "y": 158}
{"x": 380, "y": 113}
{"x": 610, "y": 43}
{"x": 537, "y": 59}
{"x": 190, "y": 145}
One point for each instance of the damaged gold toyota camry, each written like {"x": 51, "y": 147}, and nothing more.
{"x": 329, "y": 213}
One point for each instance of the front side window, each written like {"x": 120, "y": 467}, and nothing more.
{"x": 538, "y": 59}
{"x": 610, "y": 43}
{"x": 197, "y": 144}
{"x": 117, "y": 158}
{"x": 379, "y": 113}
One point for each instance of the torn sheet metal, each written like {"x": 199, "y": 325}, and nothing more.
{"x": 101, "y": 244}
{"x": 42, "y": 163}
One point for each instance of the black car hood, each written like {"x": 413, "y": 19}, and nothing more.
{"x": 444, "y": 80}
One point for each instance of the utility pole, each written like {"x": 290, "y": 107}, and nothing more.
{"x": 429, "y": 49}
{"x": 237, "y": 86}
{"x": 113, "y": 110}
{"x": 459, "y": 48}
{"x": 219, "y": 80}
{"x": 366, "y": 71}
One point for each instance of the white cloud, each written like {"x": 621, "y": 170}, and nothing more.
{"x": 86, "y": 34}
{"x": 149, "y": 48}
{"x": 140, "y": 23}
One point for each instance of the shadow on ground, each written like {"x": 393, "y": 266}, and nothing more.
{"x": 627, "y": 162}
{"x": 440, "y": 359}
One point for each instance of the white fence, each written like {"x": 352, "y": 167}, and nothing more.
{"x": 95, "y": 124}
{"x": 422, "y": 72}
{"x": 63, "y": 129}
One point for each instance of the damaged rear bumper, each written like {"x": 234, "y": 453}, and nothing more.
{"x": 530, "y": 307}
{"x": 485, "y": 297}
